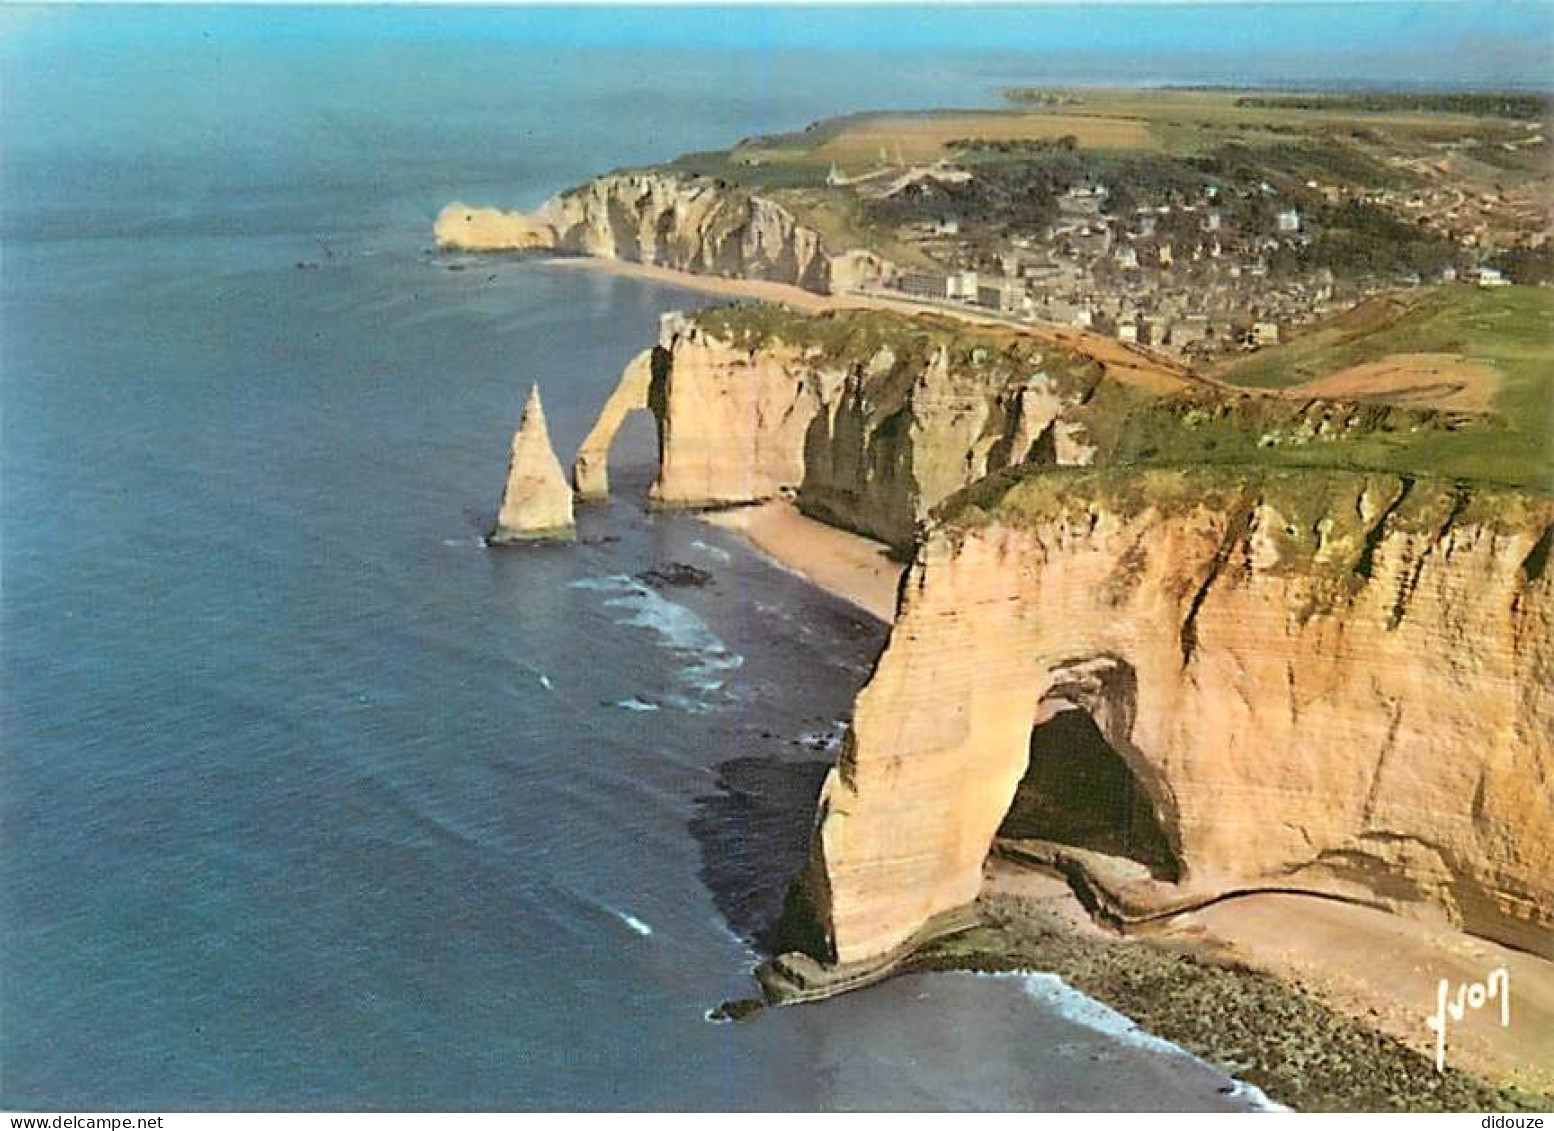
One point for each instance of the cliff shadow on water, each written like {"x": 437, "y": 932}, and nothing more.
{"x": 753, "y": 833}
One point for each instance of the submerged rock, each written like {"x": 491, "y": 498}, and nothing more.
{"x": 741, "y": 1010}
{"x": 676, "y": 575}
{"x": 537, "y": 503}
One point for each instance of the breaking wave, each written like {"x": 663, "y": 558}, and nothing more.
{"x": 707, "y": 663}
{"x": 1053, "y": 992}
{"x": 634, "y": 923}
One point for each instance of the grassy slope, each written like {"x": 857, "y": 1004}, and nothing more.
{"x": 1176, "y": 122}
{"x": 1509, "y": 329}
{"x": 1180, "y": 122}
{"x": 1134, "y": 427}
{"x": 1318, "y": 502}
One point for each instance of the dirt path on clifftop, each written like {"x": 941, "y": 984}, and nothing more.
{"x": 1434, "y": 380}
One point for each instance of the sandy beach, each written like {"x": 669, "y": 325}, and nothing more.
{"x": 855, "y": 568}
{"x": 796, "y": 297}
{"x": 1385, "y": 970}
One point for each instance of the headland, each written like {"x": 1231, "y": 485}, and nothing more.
{"x": 1220, "y": 658}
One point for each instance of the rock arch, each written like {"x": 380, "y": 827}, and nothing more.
{"x": 1085, "y": 783}
{"x": 590, "y": 468}
{"x": 960, "y": 760}
{"x": 1312, "y": 740}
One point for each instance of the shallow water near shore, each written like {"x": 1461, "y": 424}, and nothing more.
{"x": 324, "y": 803}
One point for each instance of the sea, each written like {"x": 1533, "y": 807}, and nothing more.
{"x": 308, "y": 800}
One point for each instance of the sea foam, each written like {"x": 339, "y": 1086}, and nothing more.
{"x": 1069, "y": 1003}
{"x": 634, "y": 923}
{"x": 707, "y": 663}
{"x": 632, "y": 703}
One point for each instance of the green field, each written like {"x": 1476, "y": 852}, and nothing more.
{"x": 1136, "y": 425}
{"x": 1507, "y": 329}
{"x": 1181, "y": 123}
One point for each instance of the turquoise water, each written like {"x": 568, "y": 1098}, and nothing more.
{"x": 309, "y": 801}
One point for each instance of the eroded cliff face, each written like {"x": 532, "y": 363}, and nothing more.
{"x": 869, "y": 419}
{"x": 1324, "y": 681}
{"x": 904, "y": 431}
{"x": 667, "y": 220}
{"x": 731, "y": 421}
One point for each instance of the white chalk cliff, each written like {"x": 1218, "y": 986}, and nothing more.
{"x": 1323, "y": 678}
{"x": 1323, "y": 681}
{"x": 865, "y": 416}
{"x": 663, "y": 219}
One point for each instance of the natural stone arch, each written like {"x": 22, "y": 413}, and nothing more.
{"x": 634, "y": 392}
{"x": 940, "y": 738}
{"x": 1085, "y": 783}
{"x": 1292, "y": 684}
{"x": 968, "y": 749}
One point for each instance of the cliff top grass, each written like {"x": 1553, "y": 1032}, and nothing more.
{"x": 1504, "y": 333}
{"x": 1276, "y": 432}
{"x": 1328, "y": 136}
{"x": 1325, "y": 527}
{"x": 1321, "y": 507}
{"x": 1177, "y": 121}
{"x": 1130, "y": 425}
{"x": 857, "y": 340}
{"x": 1509, "y": 328}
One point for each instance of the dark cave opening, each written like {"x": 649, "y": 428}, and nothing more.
{"x": 1078, "y": 791}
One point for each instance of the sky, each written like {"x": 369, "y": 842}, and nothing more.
{"x": 1499, "y": 43}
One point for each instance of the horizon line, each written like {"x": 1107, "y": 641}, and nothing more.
{"x": 1470, "y": 4}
